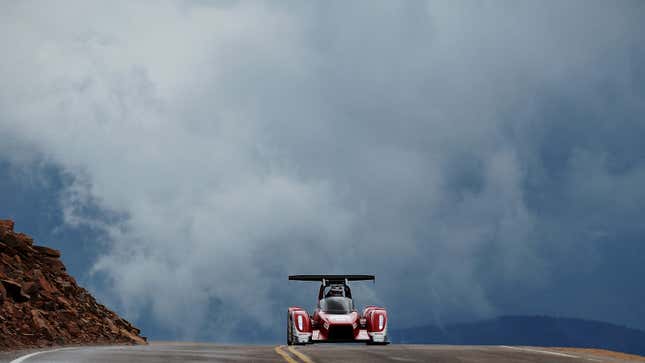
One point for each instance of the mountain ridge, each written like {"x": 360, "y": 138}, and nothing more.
{"x": 530, "y": 330}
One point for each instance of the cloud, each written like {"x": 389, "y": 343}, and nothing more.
{"x": 235, "y": 144}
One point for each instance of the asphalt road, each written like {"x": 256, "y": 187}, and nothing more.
{"x": 201, "y": 352}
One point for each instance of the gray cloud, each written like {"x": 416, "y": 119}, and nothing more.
{"x": 465, "y": 153}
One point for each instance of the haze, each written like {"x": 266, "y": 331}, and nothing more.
{"x": 481, "y": 159}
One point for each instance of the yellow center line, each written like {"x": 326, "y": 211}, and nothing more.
{"x": 300, "y": 355}
{"x": 284, "y": 355}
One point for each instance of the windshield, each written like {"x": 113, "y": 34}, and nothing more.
{"x": 336, "y": 305}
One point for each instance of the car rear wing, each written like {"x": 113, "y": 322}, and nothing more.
{"x": 327, "y": 279}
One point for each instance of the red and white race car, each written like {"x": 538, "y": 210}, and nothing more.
{"x": 335, "y": 318}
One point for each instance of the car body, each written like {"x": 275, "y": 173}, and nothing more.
{"x": 335, "y": 318}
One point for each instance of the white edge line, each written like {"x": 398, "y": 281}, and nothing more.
{"x": 540, "y": 351}
{"x": 25, "y": 357}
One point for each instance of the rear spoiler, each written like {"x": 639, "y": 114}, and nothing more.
{"x": 331, "y": 278}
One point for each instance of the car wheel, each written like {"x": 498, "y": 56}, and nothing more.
{"x": 289, "y": 331}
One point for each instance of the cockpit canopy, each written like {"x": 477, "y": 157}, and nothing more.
{"x": 337, "y": 299}
{"x": 336, "y": 305}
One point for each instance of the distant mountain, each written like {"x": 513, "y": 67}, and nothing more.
{"x": 529, "y": 330}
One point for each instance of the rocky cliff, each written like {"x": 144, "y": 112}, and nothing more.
{"x": 41, "y": 305}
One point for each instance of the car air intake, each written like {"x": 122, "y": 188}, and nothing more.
{"x": 341, "y": 332}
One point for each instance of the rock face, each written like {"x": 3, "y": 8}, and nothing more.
{"x": 41, "y": 305}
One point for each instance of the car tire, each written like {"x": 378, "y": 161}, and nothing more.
{"x": 289, "y": 331}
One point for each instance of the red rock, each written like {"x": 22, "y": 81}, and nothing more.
{"x": 40, "y": 323}
{"x": 73, "y": 328}
{"x": 111, "y": 326}
{"x": 6, "y": 225}
{"x": 42, "y": 282}
{"x": 134, "y": 337}
{"x": 47, "y": 251}
{"x": 14, "y": 291}
{"x": 16, "y": 240}
{"x": 11, "y": 240}
{"x": 31, "y": 288}
{"x": 49, "y": 305}
{"x": 63, "y": 301}
{"x": 3, "y": 293}
{"x": 40, "y": 304}
{"x": 55, "y": 265}
{"x": 24, "y": 239}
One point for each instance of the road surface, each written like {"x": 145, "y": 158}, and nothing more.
{"x": 202, "y": 352}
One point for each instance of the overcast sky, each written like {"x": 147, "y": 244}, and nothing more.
{"x": 481, "y": 159}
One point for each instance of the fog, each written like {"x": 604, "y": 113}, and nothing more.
{"x": 480, "y": 159}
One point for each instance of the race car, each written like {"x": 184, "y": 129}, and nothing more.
{"x": 335, "y": 318}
